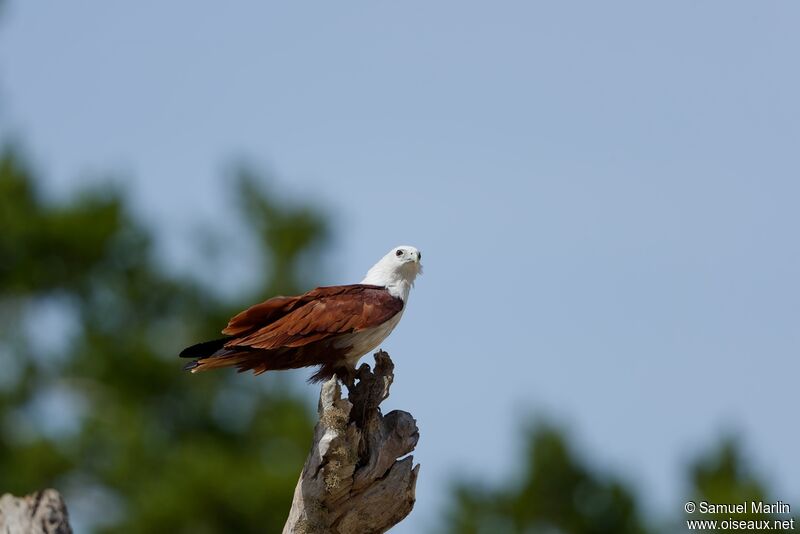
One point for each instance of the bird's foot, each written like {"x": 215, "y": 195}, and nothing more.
{"x": 347, "y": 377}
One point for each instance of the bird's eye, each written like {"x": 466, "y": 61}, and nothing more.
{"x": 399, "y": 253}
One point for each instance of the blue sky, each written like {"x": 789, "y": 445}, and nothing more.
{"x": 606, "y": 195}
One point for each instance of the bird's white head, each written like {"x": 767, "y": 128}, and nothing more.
{"x": 396, "y": 271}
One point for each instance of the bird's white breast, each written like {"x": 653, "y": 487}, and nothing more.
{"x": 368, "y": 339}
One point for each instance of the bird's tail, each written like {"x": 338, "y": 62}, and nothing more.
{"x": 201, "y": 351}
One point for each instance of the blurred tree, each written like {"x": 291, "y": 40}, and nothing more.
{"x": 106, "y": 414}
{"x": 555, "y": 493}
{"x": 723, "y": 476}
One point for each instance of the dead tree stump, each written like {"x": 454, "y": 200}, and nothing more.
{"x": 43, "y": 512}
{"x": 355, "y": 479}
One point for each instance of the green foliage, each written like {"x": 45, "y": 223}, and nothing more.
{"x": 288, "y": 232}
{"x": 163, "y": 450}
{"x": 722, "y": 476}
{"x": 46, "y": 248}
{"x": 555, "y": 493}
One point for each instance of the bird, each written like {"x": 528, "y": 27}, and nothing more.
{"x": 331, "y": 327}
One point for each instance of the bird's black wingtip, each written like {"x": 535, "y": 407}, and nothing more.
{"x": 204, "y": 349}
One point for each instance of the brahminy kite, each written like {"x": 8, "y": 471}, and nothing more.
{"x": 331, "y": 327}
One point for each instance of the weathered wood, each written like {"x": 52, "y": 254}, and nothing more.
{"x": 43, "y": 512}
{"x": 354, "y": 480}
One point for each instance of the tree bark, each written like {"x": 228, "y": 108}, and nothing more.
{"x": 43, "y": 512}
{"x": 354, "y": 480}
